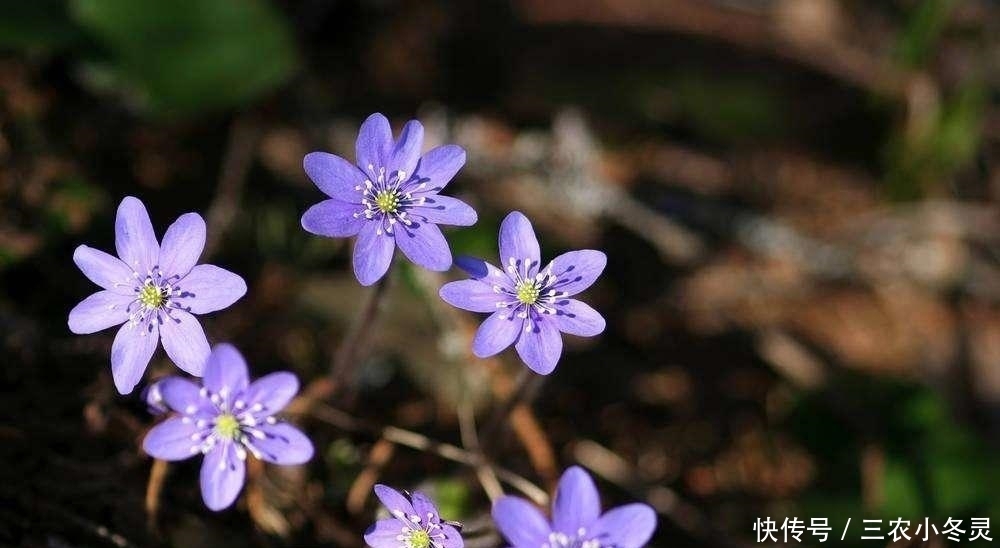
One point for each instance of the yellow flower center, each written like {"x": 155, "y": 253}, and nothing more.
{"x": 227, "y": 426}
{"x": 418, "y": 539}
{"x": 151, "y": 296}
{"x": 387, "y": 201}
{"x": 527, "y": 291}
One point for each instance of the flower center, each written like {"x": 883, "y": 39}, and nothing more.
{"x": 527, "y": 291}
{"x": 387, "y": 201}
{"x": 152, "y": 296}
{"x": 418, "y": 539}
{"x": 226, "y": 426}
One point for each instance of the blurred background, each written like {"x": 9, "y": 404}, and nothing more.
{"x": 798, "y": 199}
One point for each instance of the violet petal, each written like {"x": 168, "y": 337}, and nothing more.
{"x": 185, "y": 342}
{"x": 99, "y": 311}
{"x": 171, "y": 440}
{"x": 518, "y": 242}
{"x": 222, "y": 476}
{"x": 520, "y": 523}
{"x": 283, "y": 444}
{"x": 374, "y": 142}
{"x": 208, "y": 288}
{"x": 131, "y": 351}
{"x": 577, "y": 504}
{"x": 335, "y": 176}
{"x": 471, "y": 295}
{"x": 424, "y": 245}
{"x": 135, "y": 240}
{"x": 182, "y": 245}
{"x": 496, "y": 333}
{"x": 540, "y": 347}
{"x": 333, "y": 218}
{"x": 105, "y": 270}
{"x": 372, "y": 254}
{"x": 577, "y": 318}
{"x": 226, "y": 370}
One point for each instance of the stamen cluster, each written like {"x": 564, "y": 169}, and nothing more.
{"x": 221, "y": 419}
{"x": 153, "y": 296}
{"x": 420, "y": 532}
{"x": 529, "y": 294}
{"x": 385, "y": 200}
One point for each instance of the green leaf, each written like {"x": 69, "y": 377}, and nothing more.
{"x": 190, "y": 56}
{"x": 923, "y": 29}
{"x": 932, "y": 156}
{"x": 901, "y": 489}
{"x": 729, "y": 108}
{"x": 452, "y": 498}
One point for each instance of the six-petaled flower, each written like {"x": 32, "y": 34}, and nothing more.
{"x": 154, "y": 290}
{"x": 530, "y": 305}
{"x": 577, "y": 521}
{"x": 389, "y": 198}
{"x": 415, "y": 523}
{"x": 226, "y": 419}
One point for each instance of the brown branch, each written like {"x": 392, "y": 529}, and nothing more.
{"x": 154, "y": 488}
{"x": 470, "y": 440}
{"x": 420, "y": 442}
{"x": 378, "y": 458}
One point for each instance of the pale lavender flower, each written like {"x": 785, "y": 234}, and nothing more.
{"x": 154, "y": 290}
{"x": 227, "y": 418}
{"x": 577, "y": 521}
{"x": 415, "y": 523}
{"x": 530, "y": 306}
{"x": 388, "y": 197}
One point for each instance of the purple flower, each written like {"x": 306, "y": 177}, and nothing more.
{"x": 529, "y": 306}
{"x": 577, "y": 521}
{"x": 389, "y": 198}
{"x": 415, "y": 523}
{"x": 226, "y": 418}
{"x": 153, "y": 290}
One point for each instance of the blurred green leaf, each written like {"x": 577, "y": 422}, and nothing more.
{"x": 933, "y": 155}
{"x": 924, "y": 27}
{"x": 36, "y": 25}
{"x": 728, "y": 109}
{"x": 901, "y": 490}
{"x": 479, "y": 240}
{"x": 452, "y": 498}
{"x": 190, "y": 56}
{"x": 935, "y": 465}
{"x": 409, "y": 277}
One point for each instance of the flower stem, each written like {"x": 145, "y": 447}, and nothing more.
{"x": 525, "y": 389}
{"x": 345, "y": 361}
